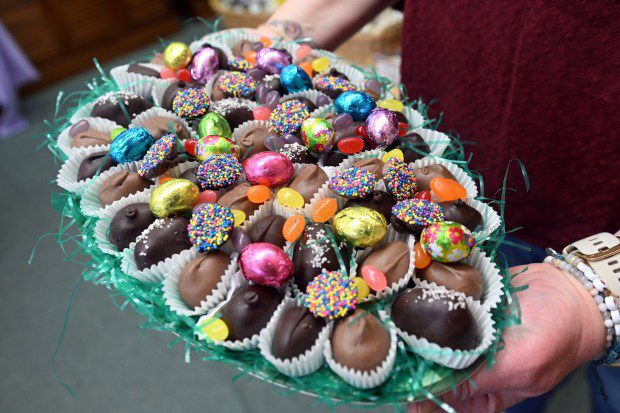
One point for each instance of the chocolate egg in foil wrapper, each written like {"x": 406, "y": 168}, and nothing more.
{"x": 317, "y": 134}
{"x": 447, "y": 241}
{"x": 355, "y": 103}
{"x": 212, "y": 145}
{"x": 173, "y": 197}
{"x": 131, "y": 145}
{"x": 268, "y": 168}
{"x": 177, "y": 55}
{"x": 360, "y": 226}
{"x": 272, "y": 61}
{"x": 204, "y": 66}
{"x": 265, "y": 264}
{"x": 382, "y": 126}
{"x": 214, "y": 124}
{"x": 295, "y": 79}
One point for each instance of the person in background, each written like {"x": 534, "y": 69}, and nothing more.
{"x": 538, "y": 81}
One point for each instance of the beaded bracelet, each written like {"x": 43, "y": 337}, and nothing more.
{"x": 607, "y": 303}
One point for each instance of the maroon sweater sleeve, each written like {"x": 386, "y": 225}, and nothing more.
{"x": 534, "y": 80}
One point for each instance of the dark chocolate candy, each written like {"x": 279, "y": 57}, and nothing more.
{"x": 164, "y": 238}
{"x": 308, "y": 180}
{"x": 311, "y": 106}
{"x": 117, "y": 105}
{"x": 296, "y": 332}
{"x": 93, "y": 164}
{"x": 249, "y": 310}
{"x": 142, "y": 70}
{"x": 456, "y": 276}
{"x": 391, "y": 259}
{"x": 237, "y": 198}
{"x": 159, "y": 126}
{"x": 201, "y": 275}
{"x": 452, "y": 325}
{"x": 459, "y": 211}
{"x": 268, "y": 229}
{"x": 120, "y": 185}
{"x": 272, "y": 82}
{"x": 378, "y": 200}
{"x": 425, "y": 174}
{"x": 171, "y": 92}
{"x": 374, "y": 165}
{"x": 315, "y": 251}
{"x": 410, "y": 144}
{"x": 221, "y": 56}
{"x": 128, "y": 223}
{"x": 90, "y": 137}
{"x": 297, "y": 153}
{"x": 253, "y": 141}
{"x": 234, "y": 111}
{"x": 360, "y": 342}
{"x": 191, "y": 176}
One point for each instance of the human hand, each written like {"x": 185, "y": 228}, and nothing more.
{"x": 561, "y": 328}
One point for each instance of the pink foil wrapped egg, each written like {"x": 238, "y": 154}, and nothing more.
{"x": 382, "y": 126}
{"x": 268, "y": 168}
{"x": 266, "y": 264}
{"x": 205, "y": 65}
{"x": 272, "y": 61}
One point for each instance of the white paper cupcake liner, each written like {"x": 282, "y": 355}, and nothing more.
{"x": 491, "y": 219}
{"x": 262, "y": 211}
{"x": 156, "y": 272}
{"x": 90, "y": 204}
{"x": 98, "y": 124}
{"x": 394, "y": 288}
{"x": 455, "y": 359}
{"x": 159, "y": 111}
{"x": 175, "y": 302}
{"x": 355, "y": 76}
{"x": 68, "y": 172}
{"x": 366, "y": 380}
{"x": 416, "y": 120}
{"x": 491, "y": 277}
{"x": 158, "y": 88}
{"x": 134, "y": 82}
{"x": 229, "y": 37}
{"x": 247, "y": 343}
{"x": 437, "y": 141}
{"x": 302, "y": 365}
{"x": 240, "y": 130}
{"x": 461, "y": 176}
{"x": 102, "y": 227}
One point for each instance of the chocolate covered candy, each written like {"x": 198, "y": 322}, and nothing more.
{"x": 143, "y": 70}
{"x": 268, "y": 229}
{"x": 120, "y": 107}
{"x": 171, "y": 92}
{"x": 237, "y": 198}
{"x": 425, "y": 174}
{"x": 459, "y": 211}
{"x": 163, "y": 239}
{"x": 93, "y": 164}
{"x": 252, "y": 141}
{"x": 308, "y": 180}
{"x": 234, "y": 111}
{"x": 378, "y": 200}
{"x": 392, "y": 260}
{"x": 374, "y": 165}
{"x": 296, "y": 332}
{"x": 456, "y": 276}
{"x": 90, "y": 137}
{"x": 128, "y": 223}
{"x": 120, "y": 185}
{"x": 201, "y": 275}
{"x": 159, "y": 126}
{"x": 412, "y": 146}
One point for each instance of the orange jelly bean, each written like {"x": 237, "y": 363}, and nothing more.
{"x": 258, "y": 194}
{"x": 250, "y": 57}
{"x": 307, "y": 67}
{"x": 447, "y": 189}
{"x": 325, "y": 209}
{"x": 265, "y": 41}
{"x": 422, "y": 260}
{"x": 163, "y": 179}
{"x": 293, "y": 227}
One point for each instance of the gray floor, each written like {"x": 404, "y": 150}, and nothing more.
{"x": 105, "y": 358}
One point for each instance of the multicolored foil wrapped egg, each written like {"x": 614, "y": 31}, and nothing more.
{"x": 295, "y": 79}
{"x": 177, "y": 55}
{"x": 272, "y": 60}
{"x": 317, "y": 134}
{"x": 268, "y": 168}
{"x": 131, "y": 145}
{"x": 211, "y": 145}
{"x": 266, "y": 264}
{"x": 447, "y": 241}
{"x": 205, "y": 65}
{"x": 355, "y": 103}
{"x": 214, "y": 124}
{"x": 173, "y": 197}
{"x": 360, "y": 226}
{"x": 382, "y": 126}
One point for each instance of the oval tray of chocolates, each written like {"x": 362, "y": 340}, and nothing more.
{"x": 282, "y": 211}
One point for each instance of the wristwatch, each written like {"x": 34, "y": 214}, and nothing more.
{"x": 597, "y": 257}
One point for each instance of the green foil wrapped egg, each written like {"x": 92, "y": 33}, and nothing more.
{"x": 173, "y": 197}
{"x": 214, "y": 124}
{"x": 317, "y": 134}
{"x": 447, "y": 241}
{"x": 177, "y": 55}
{"x": 214, "y": 145}
{"x": 360, "y": 226}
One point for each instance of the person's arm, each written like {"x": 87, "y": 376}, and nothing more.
{"x": 328, "y": 23}
{"x": 561, "y": 328}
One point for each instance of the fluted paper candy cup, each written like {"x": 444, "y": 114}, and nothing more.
{"x": 98, "y": 124}
{"x": 135, "y": 82}
{"x": 67, "y": 177}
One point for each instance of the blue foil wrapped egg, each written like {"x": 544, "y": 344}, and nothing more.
{"x": 131, "y": 145}
{"x": 355, "y": 103}
{"x": 295, "y": 79}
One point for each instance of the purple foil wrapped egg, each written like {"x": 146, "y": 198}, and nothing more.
{"x": 272, "y": 60}
{"x": 382, "y": 126}
{"x": 266, "y": 264}
{"x": 268, "y": 168}
{"x": 204, "y": 66}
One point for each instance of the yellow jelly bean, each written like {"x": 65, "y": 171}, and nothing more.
{"x": 362, "y": 288}
{"x": 215, "y": 329}
{"x": 293, "y": 227}
{"x": 290, "y": 198}
{"x": 320, "y": 64}
{"x": 324, "y": 210}
{"x": 394, "y": 153}
{"x": 239, "y": 216}
{"x": 391, "y": 104}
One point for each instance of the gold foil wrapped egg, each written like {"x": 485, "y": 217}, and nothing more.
{"x": 177, "y": 55}
{"x": 360, "y": 226}
{"x": 173, "y": 197}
